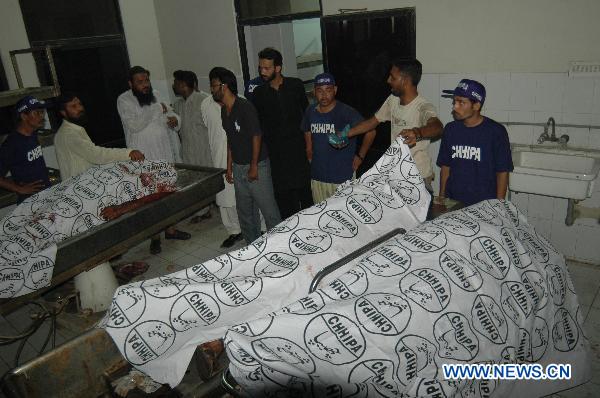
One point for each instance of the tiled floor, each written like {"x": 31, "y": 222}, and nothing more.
{"x": 205, "y": 244}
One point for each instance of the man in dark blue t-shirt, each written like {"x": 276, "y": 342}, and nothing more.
{"x": 474, "y": 156}
{"x": 21, "y": 153}
{"x": 251, "y": 85}
{"x": 331, "y": 166}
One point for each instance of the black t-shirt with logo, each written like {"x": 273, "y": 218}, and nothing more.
{"x": 22, "y": 156}
{"x": 241, "y": 125}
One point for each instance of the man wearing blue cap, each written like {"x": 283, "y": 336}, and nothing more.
{"x": 21, "y": 153}
{"x": 330, "y": 166}
{"x": 474, "y": 156}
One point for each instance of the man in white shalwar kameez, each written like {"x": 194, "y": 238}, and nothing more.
{"x": 211, "y": 115}
{"x": 147, "y": 123}
{"x": 194, "y": 134}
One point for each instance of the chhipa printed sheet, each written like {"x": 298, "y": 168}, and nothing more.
{"x": 158, "y": 323}
{"x": 29, "y": 235}
{"x": 477, "y": 285}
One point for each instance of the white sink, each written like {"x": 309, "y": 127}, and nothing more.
{"x": 557, "y": 172}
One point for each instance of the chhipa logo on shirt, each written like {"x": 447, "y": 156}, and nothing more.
{"x": 193, "y": 309}
{"x": 383, "y": 313}
{"x": 378, "y": 373}
{"x": 148, "y": 341}
{"x": 416, "y": 356}
{"x": 455, "y": 338}
{"x": 334, "y": 338}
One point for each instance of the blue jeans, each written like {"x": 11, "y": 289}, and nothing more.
{"x": 250, "y": 196}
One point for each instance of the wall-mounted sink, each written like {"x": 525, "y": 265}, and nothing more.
{"x": 562, "y": 173}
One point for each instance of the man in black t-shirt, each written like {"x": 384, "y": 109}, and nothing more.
{"x": 248, "y": 165}
{"x": 281, "y": 102}
{"x": 21, "y": 154}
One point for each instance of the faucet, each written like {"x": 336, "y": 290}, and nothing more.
{"x": 552, "y": 137}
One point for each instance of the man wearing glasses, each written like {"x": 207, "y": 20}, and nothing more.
{"x": 21, "y": 153}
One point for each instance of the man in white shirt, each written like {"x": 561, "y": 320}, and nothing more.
{"x": 75, "y": 151}
{"x": 412, "y": 117}
{"x": 147, "y": 123}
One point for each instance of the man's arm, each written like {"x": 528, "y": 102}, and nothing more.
{"x": 25, "y": 189}
{"x": 112, "y": 212}
{"x": 229, "y": 173}
{"x": 433, "y": 129}
{"x": 253, "y": 170}
{"x": 97, "y": 154}
{"x": 363, "y": 127}
{"x": 309, "y": 146}
{"x": 444, "y": 174}
{"x": 501, "y": 184}
{"x": 364, "y": 148}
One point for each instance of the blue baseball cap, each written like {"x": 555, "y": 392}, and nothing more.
{"x": 324, "y": 79}
{"x": 29, "y": 103}
{"x": 467, "y": 88}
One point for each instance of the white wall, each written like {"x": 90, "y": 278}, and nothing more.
{"x": 497, "y": 36}
{"x": 197, "y": 36}
{"x": 279, "y": 36}
{"x": 144, "y": 42}
{"x": 14, "y": 37}
{"x": 307, "y": 36}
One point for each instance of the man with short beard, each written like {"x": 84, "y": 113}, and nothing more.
{"x": 75, "y": 151}
{"x": 147, "y": 124}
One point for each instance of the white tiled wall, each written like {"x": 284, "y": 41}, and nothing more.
{"x": 534, "y": 97}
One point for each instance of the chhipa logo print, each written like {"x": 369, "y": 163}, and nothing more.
{"x": 283, "y": 354}
{"x": 251, "y": 251}
{"x": 428, "y": 288}
{"x": 424, "y": 239}
{"x": 338, "y": 223}
{"x": 254, "y": 328}
{"x": 516, "y": 302}
{"x": 12, "y": 224}
{"x": 557, "y": 283}
{"x": 148, "y": 341}
{"x": 490, "y": 256}
{"x": 16, "y": 250}
{"x": 388, "y": 260}
{"x": 378, "y": 373}
{"x": 517, "y": 252}
{"x": 565, "y": 333}
{"x": 455, "y": 338}
{"x": 508, "y": 210}
{"x": 540, "y": 337}
{"x": 238, "y": 292}
{"x": 410, "y": 193}
{"x": 334, "y": 338}
{"x": 309, "y": 241}
{"x": 40, "y": 273}
{"x": 108, "y": 176}
{"x": 165, "y": 287}
{"x": 482, "y": 212}
{"x": 382, "y": 313}
{"x": 536, "y": 287}
{"x": 535, "y": 246}
{"x": 286, "y": 226}
{"x": 458, "y": 224}
{"x": 416, "y": 356}
{"x": 305, "y": 306}
{"x": 67, "y": 206}
{"x": 128, "y": 306}
{"x": 409, "y": 170}
{"x": 12, "y": 280}
{"x": 460, "y": 270}
{"x": 41, "y": 228}
{"x": 365, "y": 208}
{"x": 194, "y": 309}
{"x": 85, "y": 222}
{"x": 213, "y": 270}
{"x": 488, "y": 319}
{"x": 276, "y": 265}
{"x": 88, "y": 189}
{"x": 349, "y": 285}
{"x": 354, "y": 390}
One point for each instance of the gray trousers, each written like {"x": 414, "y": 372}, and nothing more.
{"x": 250, "y": 196}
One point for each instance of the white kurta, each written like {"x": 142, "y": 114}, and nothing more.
{"x": 211, "y": 115}
{"x": 195, "y": 147}
{"x": 146, "y": 127}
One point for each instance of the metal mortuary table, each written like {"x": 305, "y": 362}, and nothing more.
{"x": 197, "y": 188}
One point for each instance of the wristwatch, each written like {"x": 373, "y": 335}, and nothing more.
{"x": 418, "y": 134}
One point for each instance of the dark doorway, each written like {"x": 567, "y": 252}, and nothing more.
{"x": 358, "y": 49}
{"x": 88, "y": 45}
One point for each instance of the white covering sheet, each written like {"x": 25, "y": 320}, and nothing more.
{"x": 477, "y": 285}
{"x": 158, "y": 323}
{"x": 29, "y": 234}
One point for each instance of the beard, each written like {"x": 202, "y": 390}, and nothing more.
{"x": 144, "y": 99}
{"x": 80, "y": 121}
{"x": 269, "y": 78}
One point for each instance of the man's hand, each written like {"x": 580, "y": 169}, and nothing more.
{"x": 32, "y": 187}
{"x": 340, "y": 139}
{"x": 411, "y": 136}
{"x": 110, "y": 213}
{"x": 165, "y": 110}
{"x": 172, "y": 121}
{"x": 136, "y": 155}
{"x": 309, "y": 154}
{"x": 229, "y": 176}
{"x": 253, "y": 172}
{"x": 356, "y": 162}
